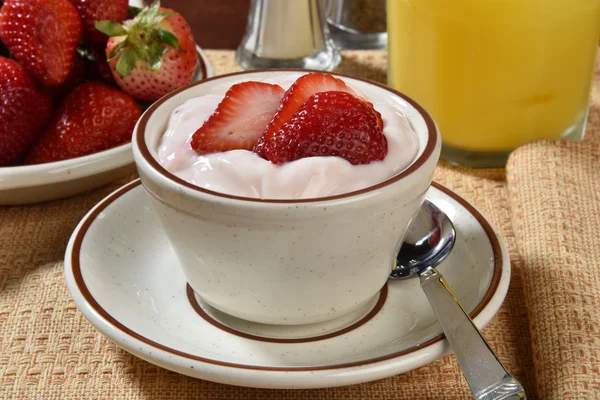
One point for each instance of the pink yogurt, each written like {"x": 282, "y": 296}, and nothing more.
{"x": 243, "y": 173}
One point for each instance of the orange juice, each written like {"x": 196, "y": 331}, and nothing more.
{"x": 495, "y": 74}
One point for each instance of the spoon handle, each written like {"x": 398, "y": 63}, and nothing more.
{"x": 486, "y": 375}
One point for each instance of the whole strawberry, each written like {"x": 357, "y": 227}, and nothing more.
{"x": 24, "y": 109}
{"x": 329, "y": 124}
{"x": 152, "y": 54}
{"x": 92, "y": 11}
{"x": 92, "y": 118}
{"x": 76, "y": 76}
{"x": 42, "y": 35}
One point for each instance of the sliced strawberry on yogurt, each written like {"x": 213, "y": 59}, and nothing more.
{"x": 296, "y": 96}
{"x": 329, "y": 124}
{"x": 240, "y": 118}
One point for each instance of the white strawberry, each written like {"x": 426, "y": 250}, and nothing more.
{"x": 152, "y": 54}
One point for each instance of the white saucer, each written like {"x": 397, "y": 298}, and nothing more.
{"x": 36, "y": 183}
{"x": 124, "y": 277}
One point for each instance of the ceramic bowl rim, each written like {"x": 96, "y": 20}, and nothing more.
{"x": 145, "y": 156}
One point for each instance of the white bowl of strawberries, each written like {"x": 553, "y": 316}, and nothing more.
{"x": 75, "y": 76}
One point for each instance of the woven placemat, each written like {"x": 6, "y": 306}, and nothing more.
{"x": 554, "y": 189}
{"x": 49, "y": 351}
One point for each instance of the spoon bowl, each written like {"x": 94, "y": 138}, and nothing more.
{"x": 429, "y": 241}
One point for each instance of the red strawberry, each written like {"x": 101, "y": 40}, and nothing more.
{"x": 152, "y": 54}
{"x": 24, "y": 109}
{"x": 240, "y": 118}
{"x": 329, "y": 124}
{"x": 76, "y": 76}
{"x": 42, "y": 35}
{"x": 296, "y": 96}
{"x": 92, "y": 118}
{"x": 92, "y": 11}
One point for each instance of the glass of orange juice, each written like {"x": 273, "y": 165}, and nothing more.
{"x": 495, "y": 74}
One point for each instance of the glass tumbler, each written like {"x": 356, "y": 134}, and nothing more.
{"x": 495, "y": 74}
{"x": 287, "y": 34}
{"x": 357, "y": 24}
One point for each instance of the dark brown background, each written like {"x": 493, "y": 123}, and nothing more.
{"x": 217, "y": 24}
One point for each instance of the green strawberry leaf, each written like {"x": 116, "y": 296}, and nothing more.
{"x": 116, "y": 50}
{"x": 168, "y": 38}
{"x": 164, "y": 14}
{"x": 111, "y": 28}
{"x": 154, "y": 56}
{"x": 155, "y": 62}
{"x": 126, "y": 62}
{"x": 133, "y": 12}
{"x": 150, "y": 14}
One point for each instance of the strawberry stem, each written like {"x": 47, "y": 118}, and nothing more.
{"x": 144, "y": 39}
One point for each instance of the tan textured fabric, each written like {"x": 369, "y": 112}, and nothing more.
{"x": 548, "y": 327}
{"x": 554, "y": 192}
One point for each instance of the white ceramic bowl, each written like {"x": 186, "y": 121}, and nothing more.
{"x": 285, "y": 261}
{"x": 27, "y": 184}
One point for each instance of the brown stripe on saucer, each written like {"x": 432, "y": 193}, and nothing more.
{"x": 493, "y": 240}
{"x": 198, "y": 308}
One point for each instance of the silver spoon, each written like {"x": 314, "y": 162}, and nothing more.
{"x": 429, "y": 241}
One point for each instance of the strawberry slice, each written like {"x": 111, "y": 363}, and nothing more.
{"x": 240, "y": 118}
{"x": 296, "y": 96}
{"x": 329, "y": 124}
